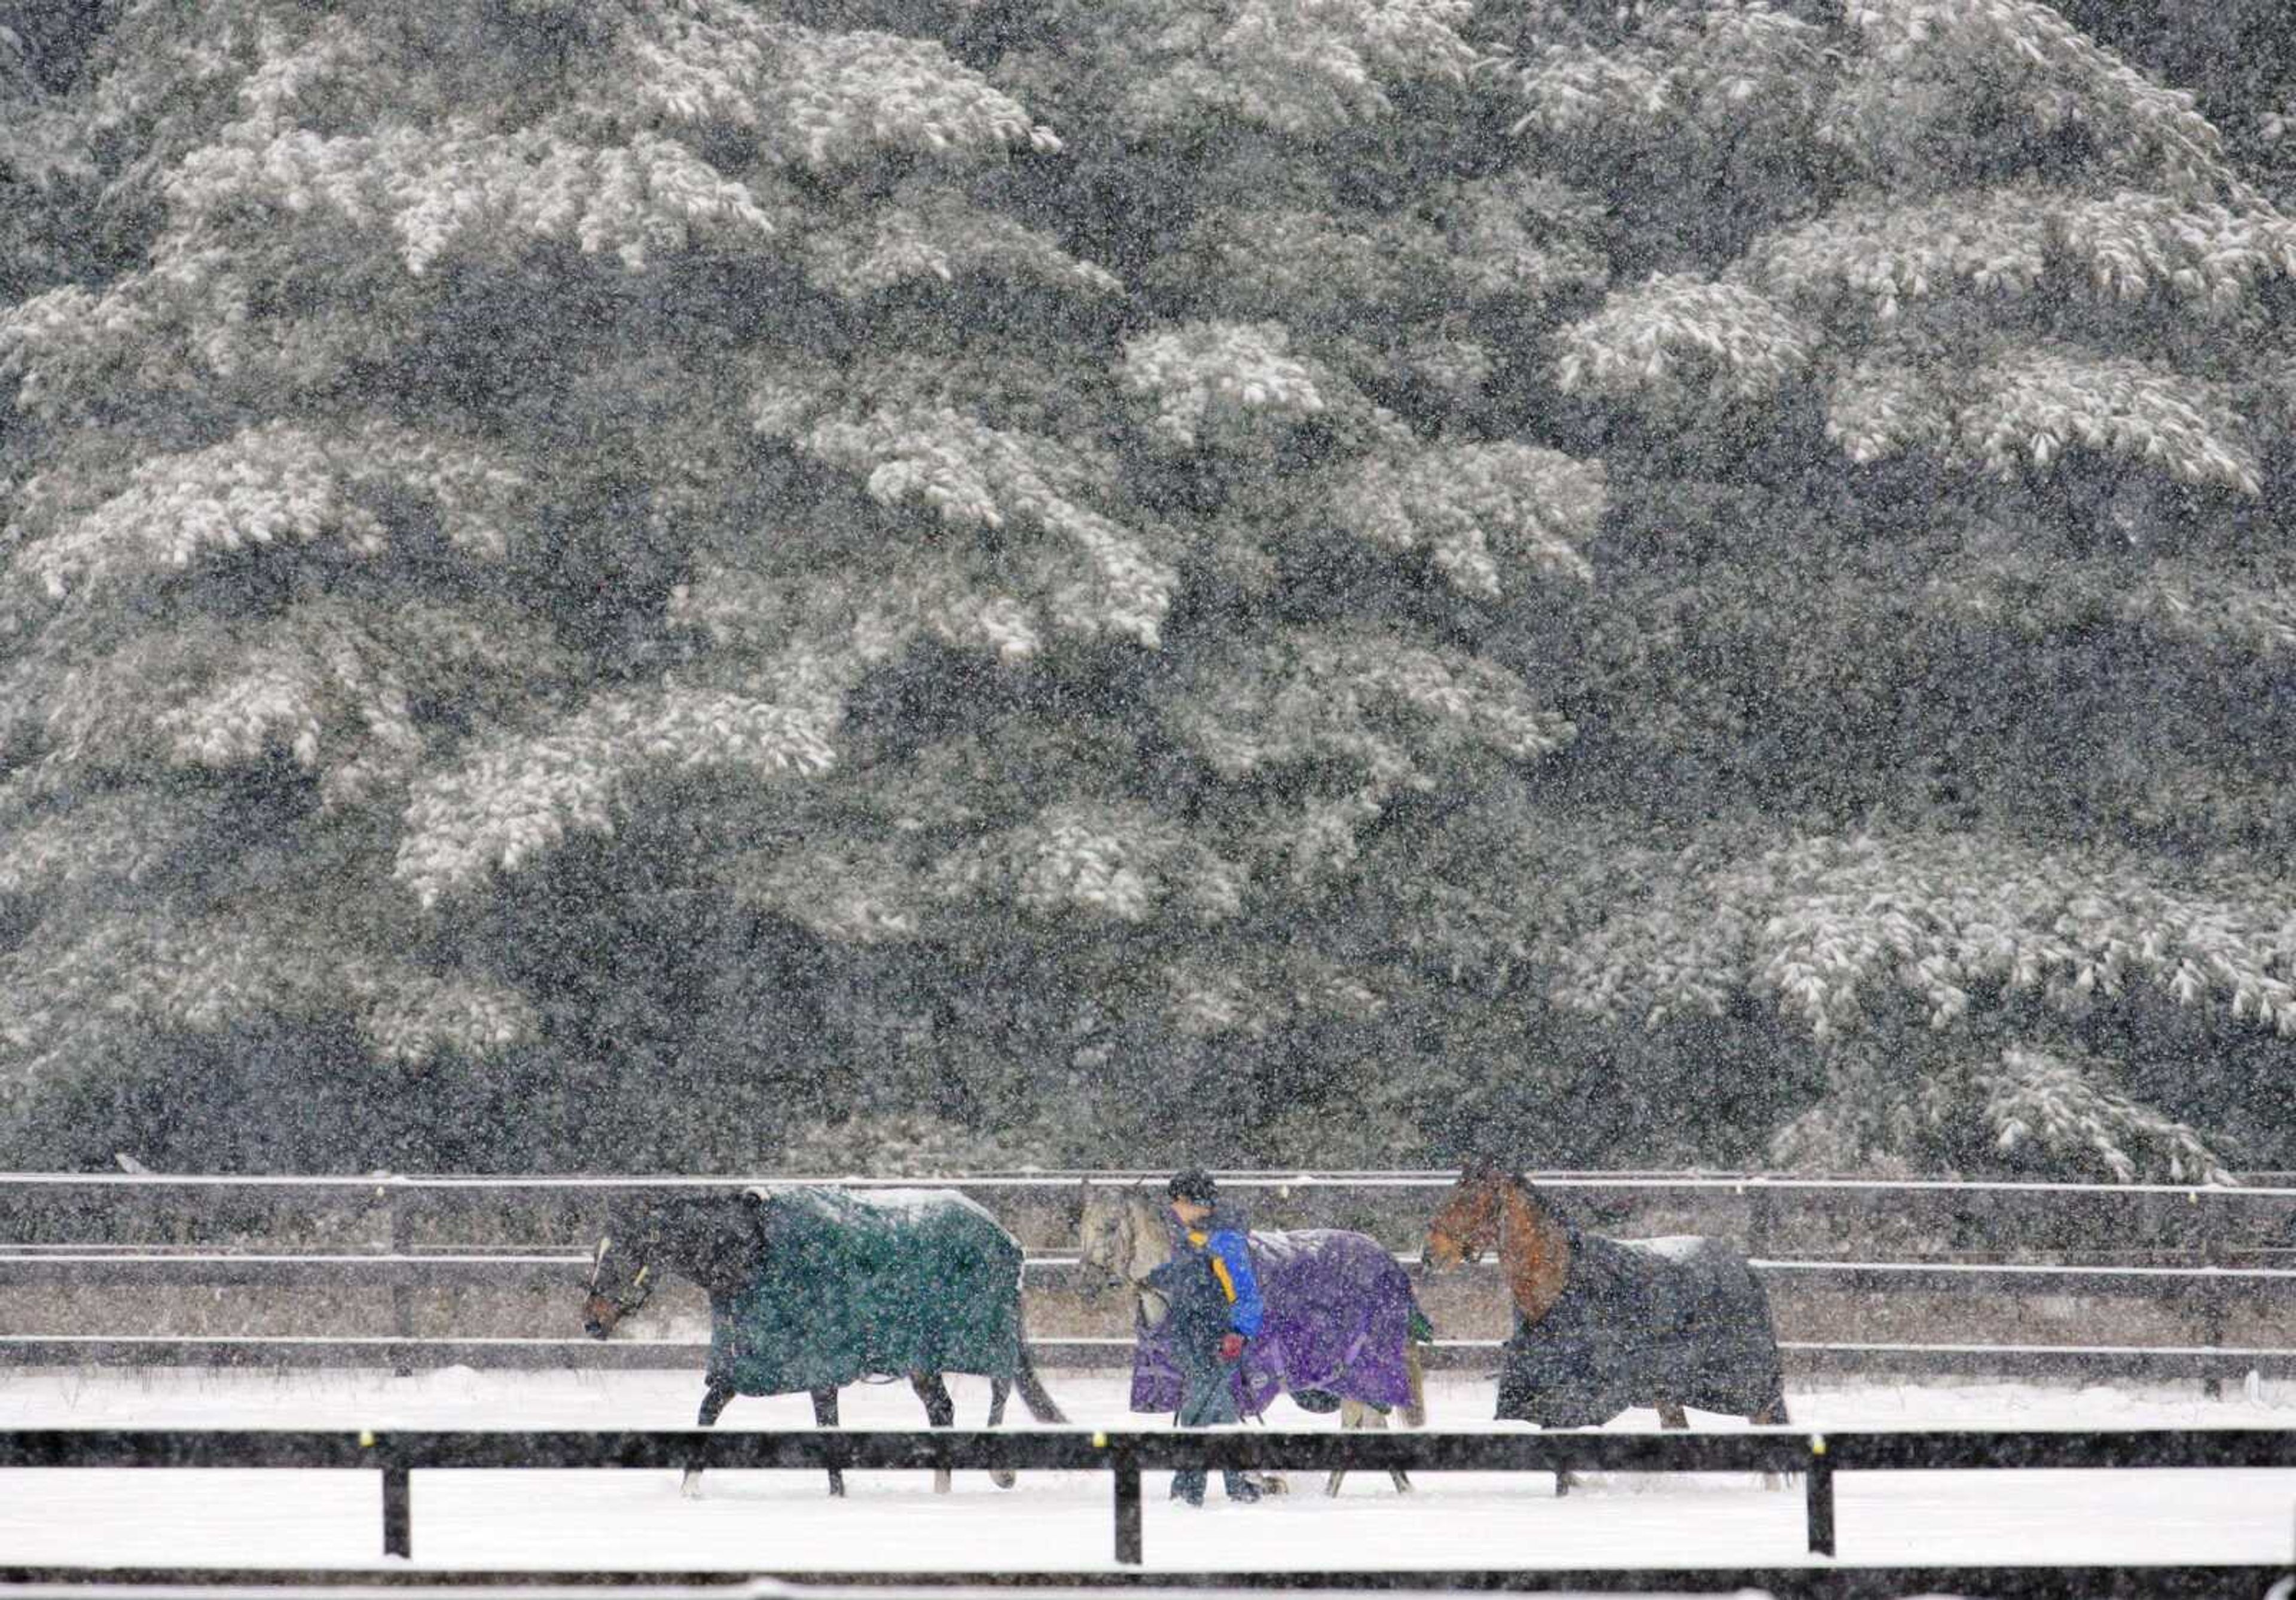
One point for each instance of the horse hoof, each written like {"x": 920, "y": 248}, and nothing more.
{"x": 1003, "y": 1478}
{"x": 690, "y": 1486}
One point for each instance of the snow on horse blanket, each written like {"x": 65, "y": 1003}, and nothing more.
{"x": 865, "y": 1285}
{"x": 1339, "y": 1312}
{"x": 1642, "y": 1320}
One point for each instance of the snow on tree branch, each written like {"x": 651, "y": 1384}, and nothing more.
{"x": 1836, "y": 930}
{"x": 1304, "y": 68}
{"x": 1220, "y": 383}
{"x": 2023, "y": 58}
{"x": 976, "y": 477}
{"x": 843, "y": 98}
{"x": 518, "y": 795}
{"x": 2035, "y": 405}
{"x": 1119, "y": 861}
{"x": 2125, "y": 246}
{"x": 1481, "y": 510}
{"x": 1723, "y": 69}
{"x": 1673, "y": 340}
{"x": 280, "y": 483}
{"x": 942, "y": 238}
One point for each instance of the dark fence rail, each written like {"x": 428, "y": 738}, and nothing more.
{"x": 1818, "y": 1457}
{"x": 2207, "y": 1364}
{"x": 531, "y": 1271}
{"x": 2225, "y": 1580}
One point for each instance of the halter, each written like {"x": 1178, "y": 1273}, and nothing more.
{"x": 637, "y": 1291}
{"x": 1470, "y": 1250}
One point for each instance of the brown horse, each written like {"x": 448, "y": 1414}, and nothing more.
{"x": 1602, "y": 1325}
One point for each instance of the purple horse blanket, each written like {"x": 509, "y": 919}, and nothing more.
{"x": 1339, "y": 1312}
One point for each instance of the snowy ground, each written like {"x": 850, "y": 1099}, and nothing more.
{"x": 1060, "y": 1522}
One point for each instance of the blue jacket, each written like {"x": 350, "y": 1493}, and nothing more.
{"x": 1214, "y": 1252}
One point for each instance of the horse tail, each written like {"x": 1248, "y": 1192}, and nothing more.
{"x": 1758, "y": 1300}
{"x": 1418, "y": 1335}
{"x": 1033, "y": 1393}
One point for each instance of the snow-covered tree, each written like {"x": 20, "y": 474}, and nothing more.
{"x": 616, "y": 580}
{"x": 1948, "y": 595}
{"x": 642, "y": 548}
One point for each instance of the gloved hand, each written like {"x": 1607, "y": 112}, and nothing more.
{"x": 1232, "y": 1348}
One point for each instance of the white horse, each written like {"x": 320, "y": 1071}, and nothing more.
{"x": 1123, "y": 1236}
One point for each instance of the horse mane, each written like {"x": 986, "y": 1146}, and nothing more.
{"x": 1132, "y": 1194}
{"x": 1554, "y": 1210}
{"x": 716, "y": 1239}
{"x": 1509, "y": 1174}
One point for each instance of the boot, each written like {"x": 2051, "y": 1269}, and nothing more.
{"x": 1188, "y": 1488}
{"x": 1241, "y": 1490}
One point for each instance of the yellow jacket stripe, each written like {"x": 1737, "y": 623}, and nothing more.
{"x": 1219, "y": 1267}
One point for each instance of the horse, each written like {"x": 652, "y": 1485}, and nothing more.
{"x": 1343, "y": 1327}
{"x": 1602, "y": 1325}
{"x": 811, "y": 1289}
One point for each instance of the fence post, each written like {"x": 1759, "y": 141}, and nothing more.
{"x": 1126, "y": 1472}
{"x": 397, "y": 1499}
{"x": 2212, "y": 1295}
{"x": 1820, "y": 1482}
{"x": 402, "y": 1294}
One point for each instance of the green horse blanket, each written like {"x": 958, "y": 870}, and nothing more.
{"x": 875, "y": 1284}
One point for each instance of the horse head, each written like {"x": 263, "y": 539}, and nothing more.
{"x": 1469, "y": 1222}
{"x": 1120, "y": 1239}
{"x": 620, "y": 1276}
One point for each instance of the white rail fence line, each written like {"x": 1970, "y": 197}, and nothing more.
{"x": 2202, "y": 1225}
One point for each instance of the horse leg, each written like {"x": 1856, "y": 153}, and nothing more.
{"x": 824, "y": 1415}
{"x": 1351, "y": 1414}
{"x": 1773, "y": 1414}
{"x": 1373, "y": 1417}
{"x": 714, "y": 1401}
{"x": 1670, "y": 1413}
{"x": 1414, "y": 1409}
{"x": 1361, "y": 1413}
{"x": 1565, "y": 1481}
{"x": 998, "y": 1388}
{"x": 940, "y": 1412}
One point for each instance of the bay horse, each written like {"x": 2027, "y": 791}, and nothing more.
{"x": 813, "y": 1288}
{"x": 1603, "y": 1324}
{"x": 1342, "y": 1330}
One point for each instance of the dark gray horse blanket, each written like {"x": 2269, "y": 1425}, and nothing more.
{"x": 1683, "y": 1319}
{"x": 874, "y": 1283}
{"x": 1339, "y": 1312}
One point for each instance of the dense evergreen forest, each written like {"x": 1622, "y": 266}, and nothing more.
{"x": 720, "y": 584}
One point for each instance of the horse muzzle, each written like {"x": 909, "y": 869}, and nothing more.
{"x": 1435, "y": 1258}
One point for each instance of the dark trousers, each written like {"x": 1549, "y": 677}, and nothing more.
{"x": 1206, "y": 1401}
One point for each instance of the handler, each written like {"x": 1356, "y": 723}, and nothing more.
{"x": 1215, "y": 1306}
